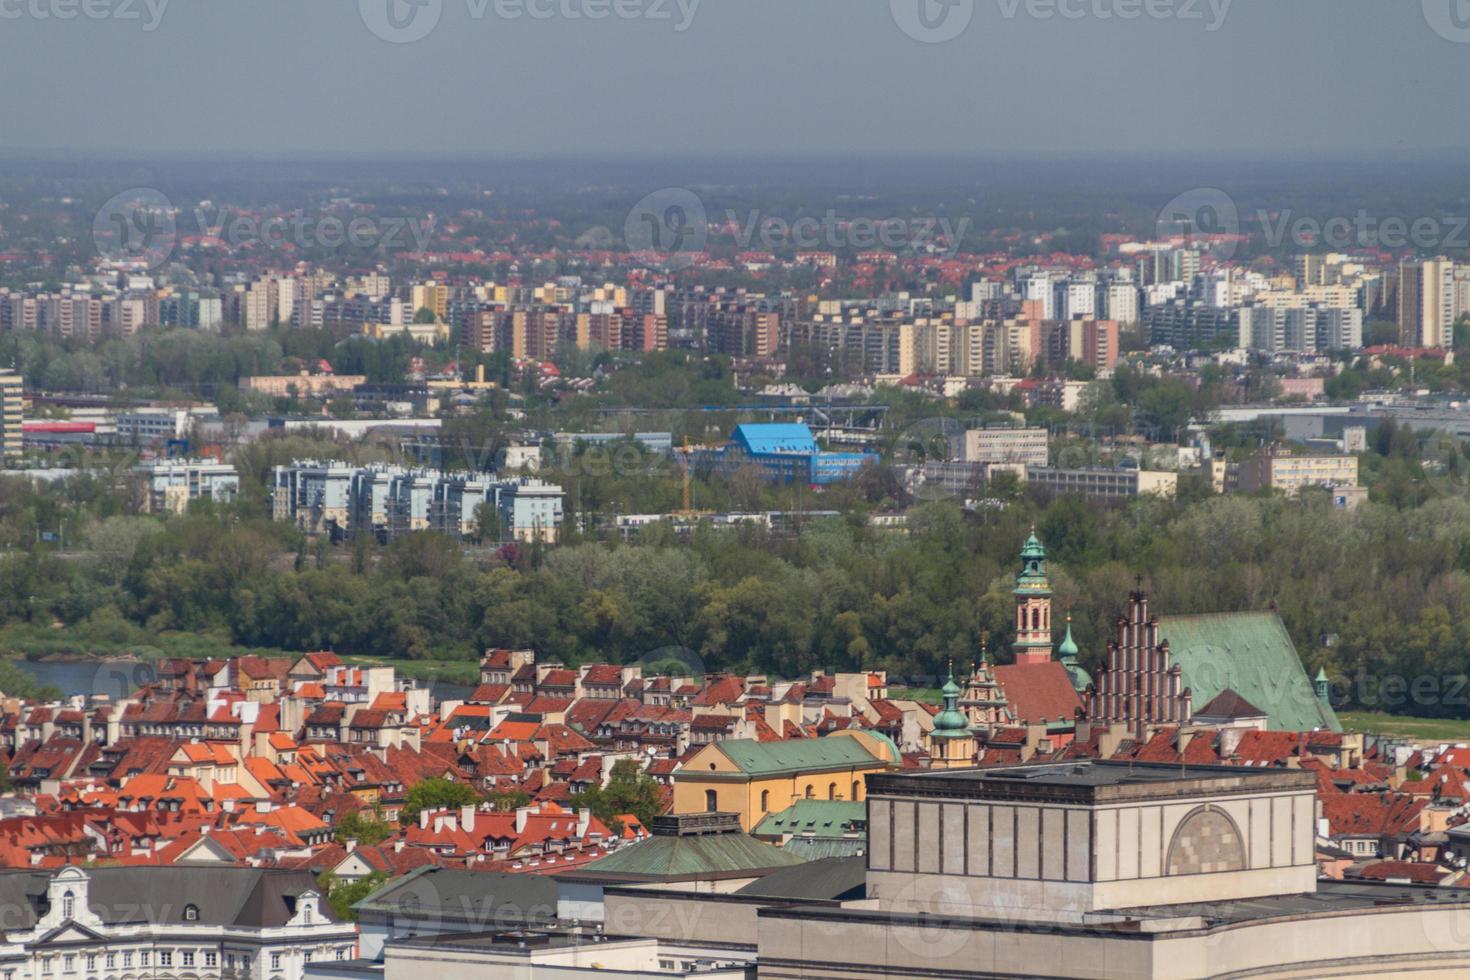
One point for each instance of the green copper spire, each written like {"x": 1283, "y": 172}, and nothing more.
{"x": 1068, "y": 649}
{"x": 1032, "y": 578}
{"x": 951, "y": 722}
{"x": 1323, "y": 685}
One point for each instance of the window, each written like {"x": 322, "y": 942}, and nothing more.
{"x": 831, "y": 791}
{"x": 765, "y": 801}
{"x": 69, "y": 963}
{"x": 275, "y": 961}
{"x": 47, "y": 964}
{"x": 128, "y": 960}
{"x": 111, "y": 961}
{"x": 165, "y": 957}
{"x": 143, "y": 958}
{"x": 211, "y": 958}
{"x": 855, "y": 785}
{"x": 191, "y": 913}
{"x": 811, "y": 791}
{"x": 91, "y": 962}
{"x": 188, "y": 957}
{"x": 341, "y": 952}
{"x": 711, "y": 800}
{"x": 68, "y": 905}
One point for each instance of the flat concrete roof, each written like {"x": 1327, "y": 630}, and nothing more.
{"x": 1331, "y": 898}
{"x": 1089, "y": 781}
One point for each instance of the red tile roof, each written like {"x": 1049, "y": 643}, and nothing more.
{"x": 1039, "y": 692}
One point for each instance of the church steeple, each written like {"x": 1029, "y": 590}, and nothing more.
{"x": 951, "y": 742}
{"x": 1033, "y": 605}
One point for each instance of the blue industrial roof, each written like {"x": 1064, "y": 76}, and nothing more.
{"x": 775, "y": 437}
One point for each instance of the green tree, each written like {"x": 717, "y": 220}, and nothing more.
{"x": 367, "y": 827}
{"x": 434, "y": 794}
{"x": 629, "y": 790}
{"x": 342, "y": 895}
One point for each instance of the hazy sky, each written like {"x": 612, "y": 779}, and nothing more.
{"x": 757, "y": 77}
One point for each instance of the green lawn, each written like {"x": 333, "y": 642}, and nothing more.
{"x": 929, "y": 694}
{"x": 1435, "y": 729}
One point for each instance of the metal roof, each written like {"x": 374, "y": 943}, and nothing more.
{"x": 830, "y": 879}
{"x": 796, "y": 755}
{"x": 676, "y": 858}
{"x": 823, "y": 818}
{"x": 1252, "y": 654}
{"x": 775, "y": 437}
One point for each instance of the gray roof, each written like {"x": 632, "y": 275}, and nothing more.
{"x": 248, "y": 897}
{"x": 489, "y": 898}
{"x": 836, "y": 879}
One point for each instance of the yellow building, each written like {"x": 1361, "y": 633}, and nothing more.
{"x": 754, "y": 778}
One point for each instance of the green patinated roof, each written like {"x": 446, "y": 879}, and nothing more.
{"x": 1252, "y": 654}
{"x": 796, "y": 755}
{"x": 824, "y": 818}
{"x": 693, "y": 856}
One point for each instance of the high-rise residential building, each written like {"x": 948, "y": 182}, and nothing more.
{"x": 1311, "y": 270}
{"x": 1039, "y": 288}
{"x": 1427, "y": 303}
{"x": 1075, "y": 298}
{"x": 1120, "y": 302}
{"x": 1086, "y": 341}
{"x": 12, "y": 415}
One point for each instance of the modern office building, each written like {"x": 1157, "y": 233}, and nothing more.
{"x": 783, "y": 453}
{"x": 1103, "y": 484}
{"x": 1007, "y": 445}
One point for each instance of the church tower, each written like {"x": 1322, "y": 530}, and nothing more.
{"x": 952, "y": 742}
{"x": 1033, "y": 605}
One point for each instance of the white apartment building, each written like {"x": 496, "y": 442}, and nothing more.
{"x": 170, "y": 485}
{"x": 214, "y": 923}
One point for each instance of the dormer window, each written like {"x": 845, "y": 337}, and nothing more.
{"x": 191, "y": 913}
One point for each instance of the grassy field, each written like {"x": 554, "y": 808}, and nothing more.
{"x": 1432, "y": 729}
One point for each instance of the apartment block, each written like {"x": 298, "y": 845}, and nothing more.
{"x": 1103, "y": 484}
{"x": 1005, "y": 445}
{"x": 12, "y": 415}
{"x": 1289, "y": 474}
{"x": 169, "y": 486}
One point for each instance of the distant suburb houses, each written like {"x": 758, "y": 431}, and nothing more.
{"x": 389, "y": 501}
